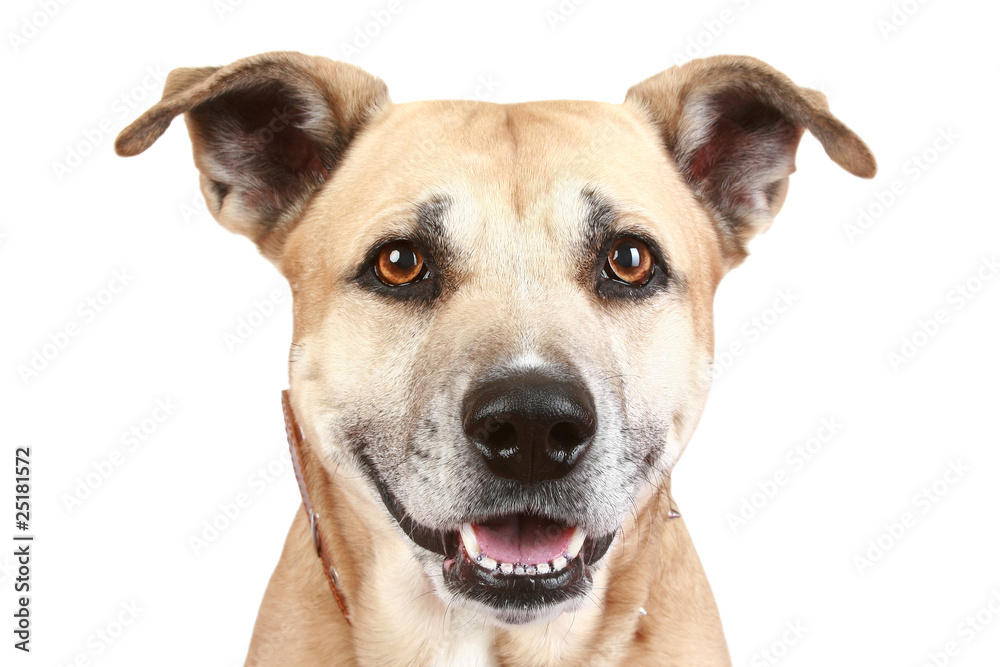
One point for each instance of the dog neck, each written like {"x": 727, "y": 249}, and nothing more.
{"x": 380, "y": 607}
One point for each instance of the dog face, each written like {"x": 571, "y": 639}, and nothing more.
{"x": 513, "y": 212}
{"x": 502, "y": 313}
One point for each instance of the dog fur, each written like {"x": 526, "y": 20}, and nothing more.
{"x": 513, "y": 204}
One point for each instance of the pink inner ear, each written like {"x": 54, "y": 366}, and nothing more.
{"x": 724, "y": 136}
{"x": 747, "y": 148}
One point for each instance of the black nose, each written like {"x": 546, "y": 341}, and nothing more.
{"x": 530, "y": 427}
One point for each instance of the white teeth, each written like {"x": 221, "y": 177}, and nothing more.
{"x": 576, "y": 543}
{"x": 469, "y": 540}
{"x": 488, "y": 563}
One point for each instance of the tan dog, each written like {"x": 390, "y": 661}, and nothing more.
{"x": 502, "y": 343}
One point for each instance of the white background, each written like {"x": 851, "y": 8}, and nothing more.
{"x": 162, "y": 337}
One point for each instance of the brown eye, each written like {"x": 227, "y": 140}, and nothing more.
{"x": 629, "y": 261}
{"x": 399, "y": 263}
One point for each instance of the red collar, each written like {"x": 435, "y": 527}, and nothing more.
{"x": 294, "y": 434}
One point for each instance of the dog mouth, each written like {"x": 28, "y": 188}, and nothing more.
{"x": 516, "y": 565}
{"x": 521, "y": 545}
{"x": 522, "y": 567}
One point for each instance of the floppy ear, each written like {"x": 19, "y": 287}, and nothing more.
{"x": 732, "y": 124}
{"x": 267, "y": 131}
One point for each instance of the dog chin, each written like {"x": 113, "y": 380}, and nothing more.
{"x": 518, "y": 617}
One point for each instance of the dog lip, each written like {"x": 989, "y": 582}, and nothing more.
{"x": 446, "y": 543}
{"x": 594, "y": 548}
{"x": 514, "y": 595}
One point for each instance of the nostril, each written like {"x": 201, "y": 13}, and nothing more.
{"x": 503, "y": 440}
{"x": 497, "y": 437}
{"x": 563, "y": 438}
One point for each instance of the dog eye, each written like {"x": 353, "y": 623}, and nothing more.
{"x": 630, "y": 261}
{"x": 399, "y": 263}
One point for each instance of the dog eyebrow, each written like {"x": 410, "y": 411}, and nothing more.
{"x": 431, "y": 234}
{"x": 599, "y": 220}
{"x": 430, "y": 218}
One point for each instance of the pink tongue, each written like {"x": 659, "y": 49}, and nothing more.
{"x": 522, "y": 539}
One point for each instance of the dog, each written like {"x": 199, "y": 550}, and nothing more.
{"x": 502, "y": 343}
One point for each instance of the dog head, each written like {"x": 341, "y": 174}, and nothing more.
{"x": 502, "y": 313}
